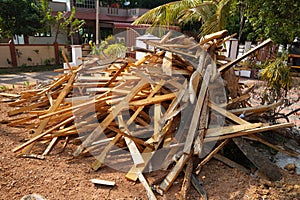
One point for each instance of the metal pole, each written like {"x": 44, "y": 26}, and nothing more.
{"x": 97, "y": 22}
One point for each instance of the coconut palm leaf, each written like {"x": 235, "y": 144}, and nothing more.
{"x": 210, "y": 13}
{"x": 166, "y": 14}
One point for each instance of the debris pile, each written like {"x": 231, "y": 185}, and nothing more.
{"x": 181, "y": 100}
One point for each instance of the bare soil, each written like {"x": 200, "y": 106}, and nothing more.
{"x": 60, "y": 176}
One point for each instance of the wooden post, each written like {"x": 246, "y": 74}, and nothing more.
{"x": 13, "y": 56}
{"x": 56, "y": 53}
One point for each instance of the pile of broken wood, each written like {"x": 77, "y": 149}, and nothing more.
{"x": 157, "y": 112}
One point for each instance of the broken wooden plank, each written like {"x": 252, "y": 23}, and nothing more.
{"x": 10, "y": 95}
{"x": 38, "y": 136}
{"x": 197, "y": 112}
{"x": 256, "y": 109}
{"x": 167, "y": 63}
{"x": 210, "y": 155}
{"x": 100, "y": 159}
{"x": 170, "y": 178}
{"x": 105, "y": 123}
{"x": 144, "y": 182}
{"x": 213, "y": 132}
{"x": 251, "y": 131}
{"x": 103, "y": 182}
{"x": 187, "y": 180}
{"x": 234, "y": 62}
{"x": 56, "y": 104}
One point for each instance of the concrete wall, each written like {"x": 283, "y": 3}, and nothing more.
{"x": 5, "y": 57}
{"x": 29, "y": 55}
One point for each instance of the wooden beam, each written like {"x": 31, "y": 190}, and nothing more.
{"x": 171, "y": 177}
{"x": 195, "y": 119}
{"x": 213, "y": 132}
{"x": 251, "y": 131}
{"x": 234, "y": 62}
{"x": 111, "y": 116}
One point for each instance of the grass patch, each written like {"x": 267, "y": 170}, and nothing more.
{"x": 23, "y": 69}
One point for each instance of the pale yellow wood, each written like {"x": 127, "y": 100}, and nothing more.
{"x": 210, "y": 155}
{"x": 140, "y": 108}
{"x": 227, "y": 114}
{"x": 135, "y": 154}
{"x": 153, "y": 100}
{"x": 213, "y": 132}
{"x": 196, "y": 115}
{"x": 100, "y": 159}
{"x": 167, "y": 63}
{"x": 251, "y": 131}
{"x": 149, "y": 192}
{"x": 170, "y": 178}
{"x": 256, "y": 109}
{"x": 27, "y": 108}
{"x": 38, "y": 136}
{"x": 111, "y": 116}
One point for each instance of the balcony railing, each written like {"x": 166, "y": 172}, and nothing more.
{"x": 113, "y": 11}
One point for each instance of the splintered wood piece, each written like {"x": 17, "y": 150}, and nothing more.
{"x": 144, "y": 182}
{"x": 167, "y": 63}
{"x": 213, "y": 132}
{"x": 57, "y": 83}
{"x": 135, "y": 139}
{"x": 251, "y": 131}
{"x": 153, "y": 100}
{"x": 142, "y": 60}
{"x": 35, "y": 156}
{"x": 157, "y": 124}
{"x": 210, "y": 155}
{"x": 111, "y": 116}
{"x": 196, "y": 115}
{"x": 140, "y": 108}
{"x": 66, "y": 60}
{"x": 27, "y": 108}
{"x": 198, "y": 145}
{"x": 216, "y": 35}
{"x": 165, "y": 37}
{"x": 256, "y": 109}
{"x": 135, "y": 154}
{"x": 100, "y": 159}
{"x": 133, "y": 172}
{"x": 187, "y": 180}
{"x": 50, "y": 146}
{"x": 117, "y": 74}
{"x": 9, "y": 95}
{"x": 22, "y": 120}
{"x": 171, "y": 177}
{"x": 264, "y": 165}
{"x": 227, "y": 114}
{"x": 103, "y": 182}
{"x": 236, "y": 100}
{"x": 56, "y": 104}
{"x": 232, "y": 63}
{"x": 38, "y": 136}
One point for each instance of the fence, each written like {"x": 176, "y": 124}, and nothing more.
{"x": 13, "y": 55}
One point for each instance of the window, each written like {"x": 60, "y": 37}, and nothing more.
{"x": 84, "y": 3}
{"x": 44, "y": 33}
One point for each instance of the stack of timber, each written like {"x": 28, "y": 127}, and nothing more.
{"x": 158, "y": 112}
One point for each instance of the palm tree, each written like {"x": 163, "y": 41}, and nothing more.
{"x": 210, "y": 13}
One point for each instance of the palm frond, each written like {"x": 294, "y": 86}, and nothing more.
{"x": 210, "y": 13}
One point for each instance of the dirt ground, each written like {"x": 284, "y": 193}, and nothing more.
{"x": 61, "y": 177}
